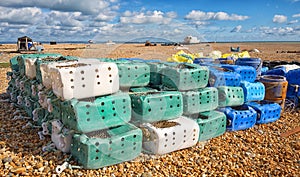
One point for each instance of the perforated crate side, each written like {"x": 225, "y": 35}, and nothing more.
{"x": 104, "y": 112}
{"x": 156, "y": 106}
{"x": 239, "y": 117}
{"x": 183, "y": 135}
{"x": 93, "y": 151}
{"x": 200, "y": 100}
{"x": 293, "y": 77}
{"x": 156, "y": 73}
{"x": 247, "y": 73}
{"x": 185, "y": 76}
{"x": 253, "y": 91}
{"x": 221, "y": 77}
{"x": 211, "y": 124}
{"x": 85, "y": 80}
{"x": 266, "y": 111}
{"x": 142, "y": 89}
{"x": 133, "y": 74}
{"x": 230, "y": 96}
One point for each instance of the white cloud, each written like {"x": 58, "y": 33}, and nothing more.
{"x": 281, "y": 31}
{"x": 296, "y": 15}
{"x": 69, "y": 19}
{"x": 202, "y": 16}
{"x": 236, "y": 29}
{"x": 292, "y": 22}
{"x": 157, "y": 17}
{"x": 27, "y": 15}
{"x": 279, "y": 19}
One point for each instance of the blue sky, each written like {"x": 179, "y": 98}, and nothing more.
{"x": 117, "y": 20}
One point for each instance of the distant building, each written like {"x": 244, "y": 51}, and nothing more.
{"x": 25, "y": 43}
{"x": 191, "y": 40}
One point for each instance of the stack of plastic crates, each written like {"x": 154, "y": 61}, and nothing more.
{"x": 78, "y": 103}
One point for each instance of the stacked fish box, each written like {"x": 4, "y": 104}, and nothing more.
{"x": 78, "y": 103}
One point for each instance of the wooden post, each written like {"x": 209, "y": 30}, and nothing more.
{"x": 26, "y": 43}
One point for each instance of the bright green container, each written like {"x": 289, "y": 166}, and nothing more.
{"x": 156, "y": 73}
{"x": 201, "y": 100}
{"x": 230, "y": 96}
{"x": 185, "y": 76}
{"x": 101, "y": 113}
{"x": 133, "y": 74}
{"x": 211, "y": 124}
{"x": 156, "y": 106}
{"x": 107, "y": 147}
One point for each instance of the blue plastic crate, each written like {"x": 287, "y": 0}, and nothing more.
{"x": 247, "y": 73}
{"x": 240, "y": 117}
{"x": 266, "y": 111}
{"x": 293, "y": 77}
{"x": 256, "y": 63}
{"x": 223, "y": 77}
{"x": 253, "y": 91}
{"x": 203, "y": 60}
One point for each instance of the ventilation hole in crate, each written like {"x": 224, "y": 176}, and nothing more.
{"x": 97, "y": 150}
{"x": 115, "y": 115}
{"x": 88, "y": 119}
{"x": 71, "y": 72}
{"x": 171, "y": 106}
{"x": 145, "y": 75}
{"x": 165, "y": 145}
{"x": 178, "y": 105}
{"x": 87, "y": 106}
{"x": 109, "y": 68}
{"x": 124, "y": 100}
{"x": 83, "y": 85}
{"x": 124, "y": 107}
{"x": 81, "y": 72}
{"x": 134, "y": 136}
{"x": 184, "y": 136}
{"x": 166, "y": 140}
{"x": 96, "y": 70}
{"x": 166, "y": 134}
{"x": 161, "y": 108}
{"x": 72, "y": 87}
{"x": 103, "y": 117}
{"x": 108, "y": 155}
{"x": 113, "y": 102}
{"x": 110, "y": 142}
{"x": 71, "y": 80}
{"x": 110, "y": 81}
{"x": 173, "y": 144}
{"x": 82, "y": 78}
{"x": 97, "y": 158}
{"x": 113, "y": 108}
{"x": 174, "y": 138}
{"x": 149, "y": 110}
{"x": 102, "y": 110}
{"x": 87, "y": 113}
{"x": 134, "y": 148}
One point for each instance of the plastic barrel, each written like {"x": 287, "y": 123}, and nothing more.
{"x": 276, "y": 88}
{"x": 254, "y": 62}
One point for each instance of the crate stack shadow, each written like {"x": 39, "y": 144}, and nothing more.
{"x": 108, "y": 111}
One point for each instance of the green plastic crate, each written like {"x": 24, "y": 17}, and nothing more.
{"x": 107, "y": 147}
{"x": 230, "y": 96}
{"x": 142, "y": 89}
{"x": 211, "y": 124}
{"x": 156, "y": 73}
{"x": 101, "y": 113}
{"x": 185, "y": 76}
{"x": 156, "y": 106}
{"x": 200, "y": 100}
{"x": 133, "y": 74}
{"x": 14, "y": 63}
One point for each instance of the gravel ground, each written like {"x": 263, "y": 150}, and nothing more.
{"x": 258, "y": 151}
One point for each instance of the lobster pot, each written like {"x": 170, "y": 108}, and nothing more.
{"x": 247, "y": 73}
{"x": 156, "y": 73}
{"x": 266, "y": 111}
{"x": 23, "y": 65}
{"x": 256, "y": 63}
{"x": 230, "y": 96}
{"x": 14, "y": 63}
{"x": 293, "y": 77}
{"x": 107, "y": 147}
{"x": 211, "y": 124}
{"x": 276, "y": 88}
{"x": 239, "y": 117}
{"x": 282, "y": 70}
{"x": 200, "y": 100}
{"x": 203, "y": 60}
{"x": 293, "y": 94}
{"x": 253, "y": 91}
{"x": 133, "y": 74}
{"x": 168, "y": 136}
{"x": 185, "y": 76}
{"x": 223, "y": 77}
{"x": 61, "y": 136}
{"x": 229, "y": 61}
{"x": 98, "y": 114}
{"x": 83, "y": 80}
{"x": 156, "y": 106}
{"x": 142, "y": 90}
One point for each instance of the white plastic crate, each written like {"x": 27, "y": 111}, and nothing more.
{"x": 30, "y": 67}
{"x": 288, "y": 67}
{"x": 61, "y": 137}
{"x": 84, "y": 79}
{"x": 183, "y": 134}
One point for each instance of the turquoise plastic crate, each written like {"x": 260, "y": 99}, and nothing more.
{"x": 142, "y": 89}
{"x": 230, "y": 96}
{"x": 156, "y": 106}
{"x": 211, "y": 124}
{"x": 107, "y": 147}
{"x": 200, "y": 100}
{"x": 101, "y": 113}
{"x": 133, "y": 74}
{"x": 156, "y": 73}
{"x": 253, "y": 91}
{"x": 184, "y": 76}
